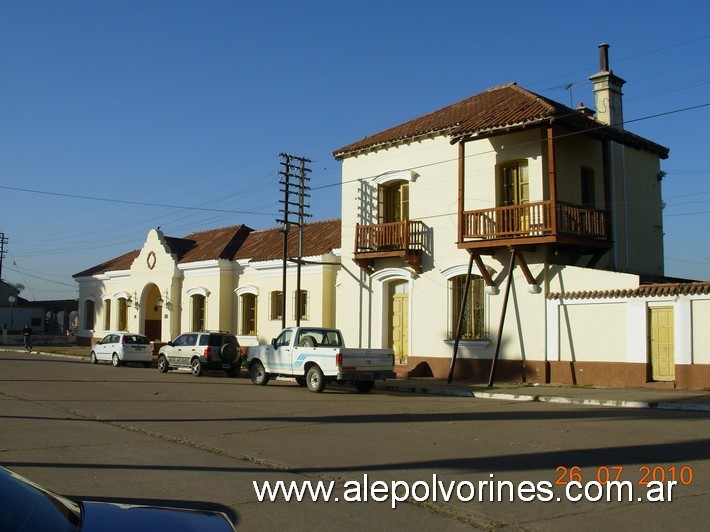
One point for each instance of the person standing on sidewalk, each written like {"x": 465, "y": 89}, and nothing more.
{"x": 27, "y": 336}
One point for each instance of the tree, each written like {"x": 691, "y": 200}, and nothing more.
{"x": 17, "y": 286}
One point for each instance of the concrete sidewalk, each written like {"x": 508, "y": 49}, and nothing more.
{"x": 661, "y": 398}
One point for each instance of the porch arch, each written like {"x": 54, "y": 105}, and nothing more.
{"x": 151, "y": 312}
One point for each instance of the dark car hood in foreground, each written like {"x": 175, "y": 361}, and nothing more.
{"x": 107, "y": 517}
{"x": 30, "y": 507}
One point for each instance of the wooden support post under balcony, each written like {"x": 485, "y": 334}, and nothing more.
{"x": 482, "y": 268}
{"x": 524, "y": 266}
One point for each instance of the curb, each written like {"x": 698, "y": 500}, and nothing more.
{"x": 614, "y": 403}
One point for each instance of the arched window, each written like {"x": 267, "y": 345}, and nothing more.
{"x": 247, "y": 306}
{"x": 393, "y": 202}
{"x": 122, "y": 314}
{"x": 89, "y": 314}
{"x": 276, "y": 305}
{"x": 474, "y": 317}
{"x": 107, "y": 314}
{"x": 198, "y": 312}
{"x": 303, "y": 312}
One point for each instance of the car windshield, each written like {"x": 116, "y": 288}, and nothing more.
{"x": 26, "y": 506}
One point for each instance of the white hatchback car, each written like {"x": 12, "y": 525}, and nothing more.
{"x": 122, "y": 347}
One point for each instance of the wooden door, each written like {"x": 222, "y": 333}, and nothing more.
{"x": 661, "y": 343}
{"x": 399, "y": 320}
{"x": 515, "y": 191}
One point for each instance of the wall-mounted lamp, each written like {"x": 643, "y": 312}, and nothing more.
{"x": 129, "y": 301}
{"x": 160, "y": 302}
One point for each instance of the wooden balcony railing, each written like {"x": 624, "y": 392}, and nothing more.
{"x": 407, "y": 235}
{"x": 534, "y": 220}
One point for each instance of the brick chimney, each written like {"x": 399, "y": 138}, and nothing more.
{"x": 607, "y": 92}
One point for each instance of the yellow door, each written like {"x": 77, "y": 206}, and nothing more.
{"x": 661, "y": 340}
{"x": 399, "y": 319}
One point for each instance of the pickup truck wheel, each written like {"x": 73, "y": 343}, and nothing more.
{"x": 315, "y": 380}
{"x": 258, "y": 374}
{"x": 196, "y": 367}
{"x": 163, "y": 365}
{"x": 364, "y": 386}
{"x": 301, "y": 381}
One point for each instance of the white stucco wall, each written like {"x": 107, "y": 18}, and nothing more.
{"x": 593, "y": 332}
{"x": 266, "y": 277}
{"x": 700, "y": 309}
{"x": 432, "y": 199}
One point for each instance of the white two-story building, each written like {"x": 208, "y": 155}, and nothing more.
{"x": 540, "y": 203}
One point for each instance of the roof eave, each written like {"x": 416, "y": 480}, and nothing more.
{"x": 346, "y": 152}
{"x": 499, "y": 130}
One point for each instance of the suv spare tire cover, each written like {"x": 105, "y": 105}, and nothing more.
{"x": 228, "y": 352}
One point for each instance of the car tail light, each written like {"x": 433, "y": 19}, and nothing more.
{"x": 123, "y": 340}
{"x": 339, "y": 359}
{"x": 207, "y": 352}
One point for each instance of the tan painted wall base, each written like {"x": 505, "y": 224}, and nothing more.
{"x": 692, "y": 377}
{"x": 695, "y": 376}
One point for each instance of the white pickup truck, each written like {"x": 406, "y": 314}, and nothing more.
{"x": 316, "y": 356}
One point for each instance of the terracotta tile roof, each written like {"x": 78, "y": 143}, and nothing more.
{"x": 236, "y": 241}
{"x": 496, "y": 111}
{"x": 318, "y": 238}
{"x": 650, "y": 290}
{"x": 220, "y": 243}
{"x": 119, "y": 263}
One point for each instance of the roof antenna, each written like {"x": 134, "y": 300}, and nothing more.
{"x": 568, "y": 87}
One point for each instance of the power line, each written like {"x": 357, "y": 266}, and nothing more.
{"x": 129, "y": 202}
{"x": 339, "y": 183}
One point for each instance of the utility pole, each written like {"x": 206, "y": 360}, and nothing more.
{"x": 293, "y": 185}
{"x": 3, "y": 241}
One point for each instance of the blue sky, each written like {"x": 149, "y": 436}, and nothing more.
{"x": 186, "y": 105}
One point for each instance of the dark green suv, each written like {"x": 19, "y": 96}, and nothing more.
{"x": 200, "y": 351}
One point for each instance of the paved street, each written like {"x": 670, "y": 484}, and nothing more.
{"x": 135, "y": 434}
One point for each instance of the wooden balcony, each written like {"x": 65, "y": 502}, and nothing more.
{"x": 535, "y": 223}
{"x": 403, "y": 240}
